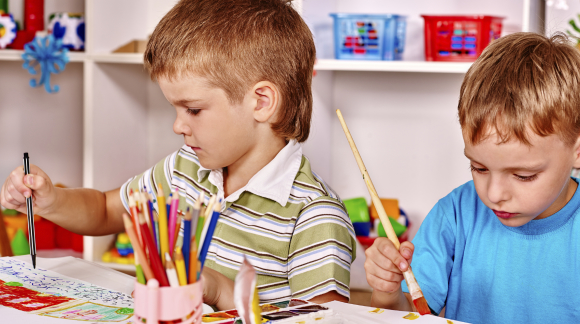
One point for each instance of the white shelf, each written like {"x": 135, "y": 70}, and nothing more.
{"x": 392, "y": 66}
{"x": 16, "y": 55}
{"x": 127, "y": 58}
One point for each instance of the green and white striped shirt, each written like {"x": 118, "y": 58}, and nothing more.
{"x": 290, "y": 225}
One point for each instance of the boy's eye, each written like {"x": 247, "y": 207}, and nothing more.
{"x": 478, "y": 170}
{"x": 526, "y": 178}
{"x": 191, "y": 111}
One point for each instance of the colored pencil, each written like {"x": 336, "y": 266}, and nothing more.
{"x": 209, "y": 235}
{"x": 163, "y": 234}
{"x": 156, "y": 265}
{"x": 196, "y": 228}
{"x": 174, "y": 202}
{"x": 414, "y": 289}
{"x": 207, "y": 218}
{"x": 134, "y": 215}
{"x": 145, "y": 208}
{"x": 139, "y": 271}
{"x": 190, "y": 247}
{"x": 186, "y": 245}
{"x": 137, "y": 248}
{"x": 156, "y": 224}
{"x": 178, "y": 232}
{"x": 171, "y": 273}
{"x": 180, "y": 267}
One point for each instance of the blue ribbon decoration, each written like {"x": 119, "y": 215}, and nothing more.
{"x": 52, "y": 57}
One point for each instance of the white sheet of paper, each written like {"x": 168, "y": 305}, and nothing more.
{"x": 69, "y": 277}
{"x": 362, "y": 314}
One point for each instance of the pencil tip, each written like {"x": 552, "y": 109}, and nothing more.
{"x": 33, "y": 260}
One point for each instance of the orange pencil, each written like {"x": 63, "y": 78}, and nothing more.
{"x": 134, "y": 215}
{"x": 137, "y": 247}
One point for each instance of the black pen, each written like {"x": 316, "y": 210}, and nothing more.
{"x": 30, "y": 214}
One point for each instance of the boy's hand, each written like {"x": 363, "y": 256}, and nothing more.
{"x": 384, "y": 265}
{"x": 18, "y": 187}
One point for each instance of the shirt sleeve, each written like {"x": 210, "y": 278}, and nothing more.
{"x": 322, "y": 249}
{"x": 434, "y": 253}
{"x": 149, "y": 180}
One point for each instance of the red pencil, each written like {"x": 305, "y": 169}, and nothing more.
{"x": 153, "y": 256}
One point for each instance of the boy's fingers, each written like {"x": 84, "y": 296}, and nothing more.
{"x": 386, "y": 247}
{"x": 382, "y": 285}
{"x": 383, "y": 274}
{"x": 381, "y": 260}
{"x": 406, "y": 249}
{"x": 14, "y": 196}
{"x": 17, "y": 180}
{"x": 37, "y": 183}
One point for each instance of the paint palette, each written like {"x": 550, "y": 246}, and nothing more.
{"x": 293, "y": 311}
{"x": 369, "y": 37}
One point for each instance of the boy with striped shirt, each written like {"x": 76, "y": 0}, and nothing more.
{"x": 239, "y": 76}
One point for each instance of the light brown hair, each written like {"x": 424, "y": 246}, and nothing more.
{"x": 523, "y": 82}
{"x": 234, "y": 44}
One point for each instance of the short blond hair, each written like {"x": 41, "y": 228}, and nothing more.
{"x": 234, "y": 44}
{"x": 523, "y": 82}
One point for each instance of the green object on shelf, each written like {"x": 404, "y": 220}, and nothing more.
{"x": 4, "y": 6}
{"x": 357, "y": 210}
{"x": 10, "y": 212}
{"x": 20, "y": 243}
{"x": 398, "y": 227}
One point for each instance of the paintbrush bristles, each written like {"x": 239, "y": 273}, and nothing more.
{"x": 422, "y": 306}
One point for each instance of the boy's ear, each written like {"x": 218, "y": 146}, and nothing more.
{"x": 267, "y": 97}
{"x": 577, "y": 153}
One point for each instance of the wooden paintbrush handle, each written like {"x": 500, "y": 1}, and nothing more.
{"x": 391, "y": 235}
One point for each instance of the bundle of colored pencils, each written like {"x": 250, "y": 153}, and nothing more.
{"x": 162, "y": 250}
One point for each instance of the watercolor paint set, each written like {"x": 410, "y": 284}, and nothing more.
{"x": 293, "y": 310}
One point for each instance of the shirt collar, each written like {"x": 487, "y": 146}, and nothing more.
{"x": 274, "y": 181}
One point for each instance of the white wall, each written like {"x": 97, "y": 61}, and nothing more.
{"x": 47, "y": 126}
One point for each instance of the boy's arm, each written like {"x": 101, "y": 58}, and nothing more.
{"x": 321, "y": 251}
{"x": 88, "y": 211}
{"x": 84, "y": 211}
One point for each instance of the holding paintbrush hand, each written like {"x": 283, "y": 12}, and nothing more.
{"x": 505, "y": 247}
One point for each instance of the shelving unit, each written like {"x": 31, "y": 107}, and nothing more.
{"x": 110, "y": 122}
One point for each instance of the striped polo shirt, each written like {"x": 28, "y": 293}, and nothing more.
{"x": 289, "y": 224}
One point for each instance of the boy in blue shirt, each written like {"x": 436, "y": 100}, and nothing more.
{"x": 503, "y": 248}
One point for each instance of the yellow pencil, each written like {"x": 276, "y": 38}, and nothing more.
{"x": 163, "y": 233}
{"x": 180, "y": 266}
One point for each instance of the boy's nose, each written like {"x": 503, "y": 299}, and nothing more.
{"x": 180, "y": 128}
{"x": 497, "y": 190}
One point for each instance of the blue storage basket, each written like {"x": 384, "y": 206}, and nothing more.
{"x": 369, "y": 37}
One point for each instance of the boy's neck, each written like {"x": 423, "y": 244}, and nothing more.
{"x": 239, "y": 173}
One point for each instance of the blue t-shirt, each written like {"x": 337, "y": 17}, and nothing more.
{"x": 486, "y": 272}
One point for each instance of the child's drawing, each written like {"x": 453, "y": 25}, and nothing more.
{"x": 92, "y": 312}
{"x": 24, "y": 299}
{"x": 15, "y": 272}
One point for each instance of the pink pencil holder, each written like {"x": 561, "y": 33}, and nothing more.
{"x": 156, "y": 304}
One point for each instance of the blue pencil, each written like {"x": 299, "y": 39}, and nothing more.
{"x": 209, "y": 235}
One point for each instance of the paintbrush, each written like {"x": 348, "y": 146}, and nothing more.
{"x": 414, "y": 289}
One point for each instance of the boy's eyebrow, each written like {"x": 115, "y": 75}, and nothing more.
{"x": 183, "y": 102}
{"x": 517, "y": 168}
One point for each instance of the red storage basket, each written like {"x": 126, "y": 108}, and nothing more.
{"x": 459, "y": 38}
